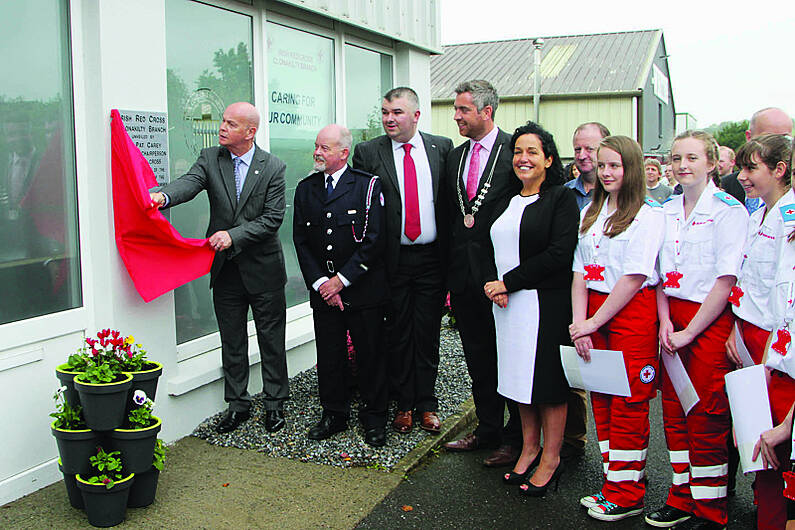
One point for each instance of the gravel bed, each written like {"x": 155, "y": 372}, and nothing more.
{"x": 345, "y": 449}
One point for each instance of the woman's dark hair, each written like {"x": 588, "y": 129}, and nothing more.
{"x": 554, "y": 173}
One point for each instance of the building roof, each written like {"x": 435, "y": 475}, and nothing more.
{"x": 575, "y": 64}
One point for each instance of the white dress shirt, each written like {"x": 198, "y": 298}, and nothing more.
{"x": 424, "y": 190}
{"x": 486, "y": 146}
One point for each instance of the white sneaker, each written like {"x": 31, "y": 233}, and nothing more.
{"x": 589, "y": 501}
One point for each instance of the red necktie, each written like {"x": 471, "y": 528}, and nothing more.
{"x": 412, "y": 228}
{"x": 473, "y": 176}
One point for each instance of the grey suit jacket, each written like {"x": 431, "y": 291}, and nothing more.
{"x": 377, "y": 157}
{"x": 252, "y": 222}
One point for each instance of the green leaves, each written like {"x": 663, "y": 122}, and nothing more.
{"x": 159, "y": 460}
{"x": 65, "y": 416}
{"x": 108, "y": 466}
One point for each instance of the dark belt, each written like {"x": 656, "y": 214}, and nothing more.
{"x": 419, "y": 247}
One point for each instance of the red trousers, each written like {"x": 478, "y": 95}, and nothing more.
{"x": 754, "y": 338}
{"x": 697, "y": 442}
{"x": 622, "y": 423}
{"x": 772, "y": 506}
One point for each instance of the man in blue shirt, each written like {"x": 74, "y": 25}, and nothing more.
{"x": 586, "y": 141}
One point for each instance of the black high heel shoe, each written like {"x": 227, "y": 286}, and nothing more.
{"x": 514, "y": 479}
{"x": 531, "y": 490}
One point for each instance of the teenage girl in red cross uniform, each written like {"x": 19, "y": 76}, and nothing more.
{"x": 705, "y": 230}
{"x": 614, "y": 307}
{"x": 766, "y": 301}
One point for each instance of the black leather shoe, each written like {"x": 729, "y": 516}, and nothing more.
{"x": 232, "y": 421}
{"x": 667, "y": 517}
{"x": 274, "y": 420}
{"x": 375, "y": 437}
{"x": 328, "y": 425}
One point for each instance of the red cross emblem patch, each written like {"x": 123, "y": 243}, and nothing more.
{"x": 594, "y": 273}
{"x": 647, "y": 374}
{"x": 783, "y": 338}
{"x": 672, "y": 279}
{"x": 734, "y": 297}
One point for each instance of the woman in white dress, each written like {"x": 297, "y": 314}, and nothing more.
{"x": 527, "y": 274}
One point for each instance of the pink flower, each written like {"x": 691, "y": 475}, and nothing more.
{"x": 129, "y": 354}
{"x": 94, "y": 351}
{"x": 106, "y": 480}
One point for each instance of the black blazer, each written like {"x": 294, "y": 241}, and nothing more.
{"x": 377, "y": 157}
{"x": 466, "y": 252}
{"x": 323, "y": 234}
{"x": 252, "y": 222}
{"x": 547, "y": 239}
{"x": 733, "y": 187}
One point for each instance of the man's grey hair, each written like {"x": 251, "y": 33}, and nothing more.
{"x": 483, "y": 94}
{"x": 346, "y": 138}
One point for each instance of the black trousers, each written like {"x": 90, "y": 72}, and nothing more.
{"x": 475, "y": 322}
{"x": 366, "y": 327}
{"x": 231, "y": 302}
{"x": 414, "y": 321}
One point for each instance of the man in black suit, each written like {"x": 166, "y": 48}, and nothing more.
{"x": 337, "y": 232}
{"x": 411, "y": 165}
{"x": 479, "y": 175}
{"x": 769, "y": 120}
{"x": 245, "y": 187}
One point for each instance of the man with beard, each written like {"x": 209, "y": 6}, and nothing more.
{"x": 337, "y": 224}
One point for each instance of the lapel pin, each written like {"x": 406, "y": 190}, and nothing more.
{"x": 256, "y": 171}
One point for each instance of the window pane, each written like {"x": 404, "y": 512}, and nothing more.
{"x": 208, "y": 55}
{"x": 365, "y": 90}
{"x": 39, "y": 253}
{"x": 301, "y": 102}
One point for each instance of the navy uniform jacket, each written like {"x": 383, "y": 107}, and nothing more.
{"x": 325, "y": 230}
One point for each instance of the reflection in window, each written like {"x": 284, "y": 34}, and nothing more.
{"x": 301, "y": 102}
{"x": 365, "y": 91}
{"x": 39, "y": 254}
{"x": 208, "y": 55}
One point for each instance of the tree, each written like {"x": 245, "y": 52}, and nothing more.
{"x": 732, "y": 134}
{"x": 234, "y": 82}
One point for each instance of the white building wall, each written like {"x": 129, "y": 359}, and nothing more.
{"x": 119, "y": 62}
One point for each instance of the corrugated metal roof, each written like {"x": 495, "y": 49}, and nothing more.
{"x": 577, "y": 64}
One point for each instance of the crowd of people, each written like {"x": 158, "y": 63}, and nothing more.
{"x": 613, "y": 252}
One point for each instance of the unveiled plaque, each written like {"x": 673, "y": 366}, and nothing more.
{"x": 149, "y": 131}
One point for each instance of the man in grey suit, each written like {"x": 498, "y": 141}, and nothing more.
{"x": 411, "y": 165}
{"x": 245, "y": 187}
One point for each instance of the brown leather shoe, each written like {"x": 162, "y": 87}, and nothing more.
{"x": 402, "y": 423}
{"x": 470, "y": 442}
{"x": 430, "y": 422}
{"x": 502, "y": 456}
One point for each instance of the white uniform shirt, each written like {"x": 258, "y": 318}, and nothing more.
{"x": 782, "y": 307}
{"x": 708, "y": 244}
{"x": 758, "y": 271}
{"x": 633, "y": 251}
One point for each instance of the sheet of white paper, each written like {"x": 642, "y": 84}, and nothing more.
{"x": 605, "y": 372}
{"x": 745, "y": 355}
{"x": 684, "y": 388}
{"x": 747, "y": 390}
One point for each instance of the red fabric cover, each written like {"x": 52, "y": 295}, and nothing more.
{"x": 157, "y": 258}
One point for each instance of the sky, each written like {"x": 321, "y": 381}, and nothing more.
{"x": 724, "y": 64}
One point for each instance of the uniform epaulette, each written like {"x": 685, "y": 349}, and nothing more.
{"x": 361, "y": 173}
{"x": 788, "y": 214}
{"x": 651, "y": 202}
{"x": 727, "y": 198}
